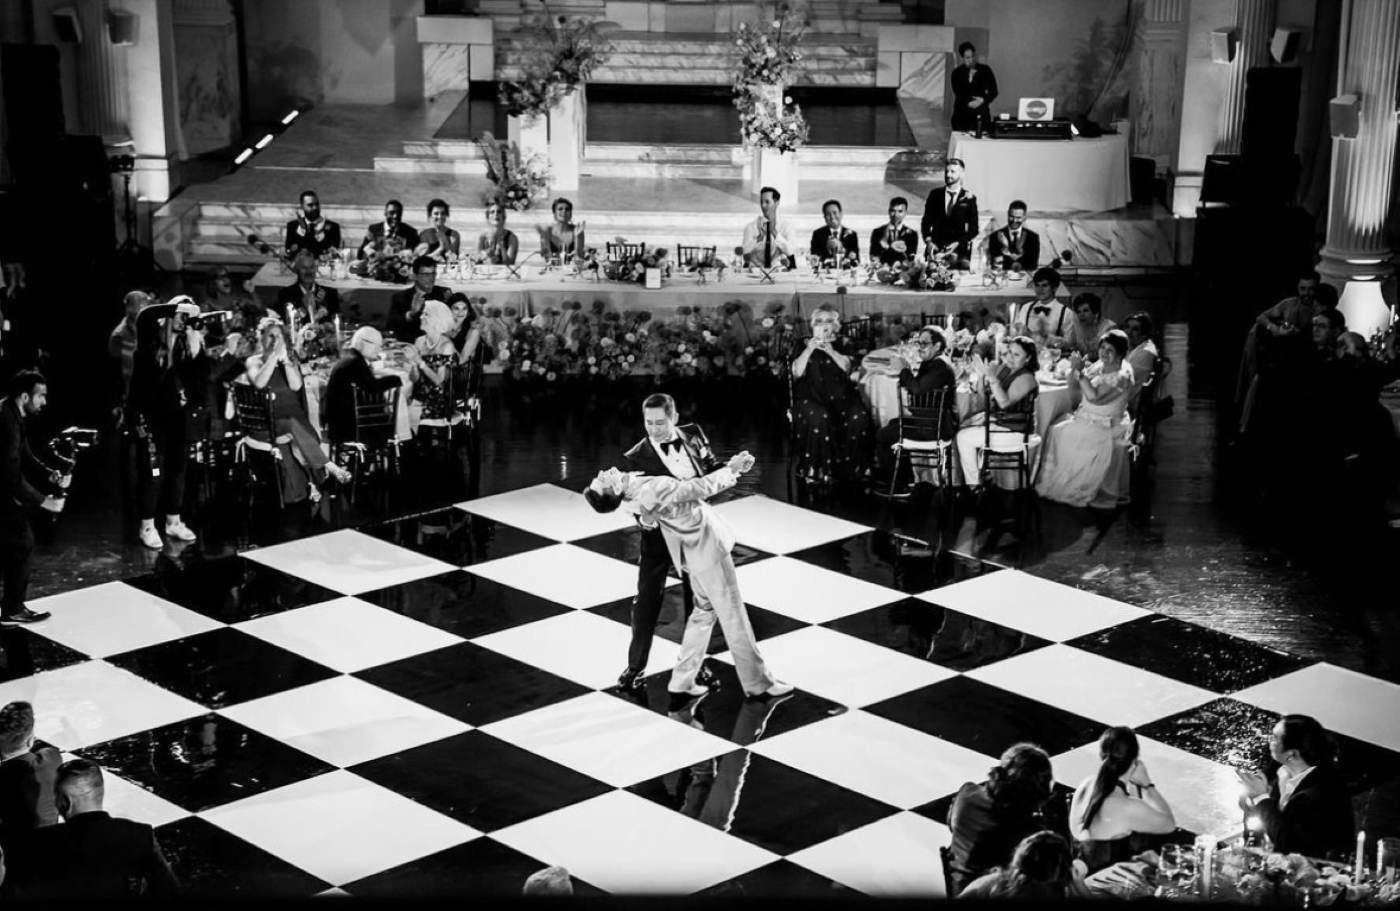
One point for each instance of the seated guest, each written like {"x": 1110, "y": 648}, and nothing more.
{"x": 309, "y": 231}
{"x": 950, "y": 217}
{"x": 990, "y": 819}
{"x": 1088, "y": 328}
{"x": 92, "y": 857}
{"x": 833, "y": 244}
{"x": 1015, "y": 247}
{"x": 26, "y": 779}
{"x": 1118, "y": 803}
{"x": 768, "y": 239}
{"x": 437, "y": 357}
{"x": 466, "y": 337}
{"x": 895, "y": 242}
{"x": 1009, "y": 387}
{"x": 497, "y": 246}
{"x": 1041, "y": 870}
{"x": 829, "y": 419}
{"x": 1271, "y": 338}
{"x": 1079, "y": 447}
{"x": 934, "y": 373}
{"x": 312, "y": 301}
{"x": 1142, "y": 350}
{"x": 1306, "y": 809}
{"x": 1043, "y": 318}
{"x": 354, "y": 371}
{"x": 406, "y": 306}
{"x": 438, "y": 240}
{"x": 389, "y": 237}
{"x": 562, "y": 240}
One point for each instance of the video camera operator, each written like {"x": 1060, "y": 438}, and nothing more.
{"x": 169, "y": 360}
{"x": 28, "y": 482}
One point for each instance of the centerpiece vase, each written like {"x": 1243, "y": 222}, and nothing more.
{"x": 529, "y": 132}
{"x": 567, "y": 129}
{"x": 770, "y": 167}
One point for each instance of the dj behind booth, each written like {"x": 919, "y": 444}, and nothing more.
{"x": 1034, "y": 156}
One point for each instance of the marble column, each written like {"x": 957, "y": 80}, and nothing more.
{"x": 1363, "y": 169}
{"x": 1254, "y": 28}
{"x": 1156, "y": 96}
{"x": 101, "y": 77}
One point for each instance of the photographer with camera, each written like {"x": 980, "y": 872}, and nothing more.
{"x": 28, "y": 483}
{"x": 169, "y": 360}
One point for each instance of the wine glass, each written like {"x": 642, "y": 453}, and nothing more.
{"x": 1178, "y": 865}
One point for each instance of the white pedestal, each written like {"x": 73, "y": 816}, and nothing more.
{"x": 778, "y": 170}
{"x": 567, "y": 129}
{"x": 530, "y": 134}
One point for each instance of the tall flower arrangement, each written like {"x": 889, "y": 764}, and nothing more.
{"x": 559, "y": 53}
{"x": 516, "y": 181}
{"x": 767, "y": 61}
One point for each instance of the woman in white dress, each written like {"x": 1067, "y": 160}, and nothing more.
{"x": 1079, "y": 447}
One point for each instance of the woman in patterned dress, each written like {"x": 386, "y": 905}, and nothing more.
{"x": 831, "y": 423}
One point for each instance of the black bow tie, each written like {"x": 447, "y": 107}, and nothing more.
{"x": 1044, "y": 310}
{"x": 670, "y": 446}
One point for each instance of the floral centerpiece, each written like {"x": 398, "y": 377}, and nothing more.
{"x": 559, "y": 54}
{"x": 767, "y": 60}
{"x": 391, "y": 261}
{"x": 618, "y": 345}
{"x": 516, "y": 181}
{"x": 771, "y": 343}
{"x": 918, "y": 275}
{"x": 535, "y": 353}
{"x": 633, "y": 268}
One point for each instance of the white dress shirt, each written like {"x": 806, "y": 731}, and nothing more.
{"x": 677, "y": 461}
{"x": 784, "y": 244}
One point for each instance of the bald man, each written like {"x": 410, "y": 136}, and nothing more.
{"x": 353, "y": 371}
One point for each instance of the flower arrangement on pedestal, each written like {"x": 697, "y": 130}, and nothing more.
{"x": 559, "y": 54}
{"x": 516, "y": 181}
{"x": 767, "y": 60}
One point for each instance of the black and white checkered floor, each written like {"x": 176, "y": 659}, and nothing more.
{"x": 427, "y": 707}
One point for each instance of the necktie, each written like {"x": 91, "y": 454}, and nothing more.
{"x": 670, "y": 446}
{"x": 768, "y": 245}
{"x": 952, "y": 196}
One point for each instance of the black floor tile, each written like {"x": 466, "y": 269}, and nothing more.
{"x": 232, "y": 589}
{"x": 26, "y": 652}
{"x": 464, "y": 604}
{"x": 472, "y": 684}
{"x": 625, "y": 544}
{"x": 944, "y": 636}
{"x": 484, "y": 782}
{"x": 482, "y": 867}
{"x": 670, "y": 622}
{"x": 205, "y": 762}
{"x": 457, "y": 537}
{"x": 222, "y": 667}
{"x": 900, "y": 563}
{"x": 215, "y": 865}
{"x": 781, "y": 879}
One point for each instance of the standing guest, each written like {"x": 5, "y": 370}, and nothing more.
{"x": 950, "y": 217}
{"x": 990, "y": 819}
{"x": 934, "y": 372}
{"x": 391, "y": 236}
{"x": 92, "y": 857}
{"x": 669, "y": 450}
{"x": 310, "y": 231}
{"x": 26, "y": 779}
{"x": 1015, "y": 247}
{"x": 1079, "y": 447}
{"x": 895, "y": 242}
{"x": 1043, "y": 317}
{"x": 121, "y": 344}
{"x": 465, "y": 335}
{"x": 438, "y": 240}
{"x": 831, "y": 423}
{"x": 562, "y": 240}
{"x": 833, "y": 244}
{"x": 1306, "y": 809}
{"x": 1087, "y": 330}
{"x": 406, "y": 306}
{"x": 312, "y": 301}
{"x": 498, "y": 246}
{"x": 769, "y": 240}
{"x": 1142, "y": 350}
{"x": 1117, "y": 803}
{"x": 974, "y": 90}
{"x": 1009, "y": 389}
{"x": 353, "y": 371}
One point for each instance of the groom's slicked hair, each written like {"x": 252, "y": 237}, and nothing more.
{"x": 605, "y": 501}
{"x": 660, "y": 400}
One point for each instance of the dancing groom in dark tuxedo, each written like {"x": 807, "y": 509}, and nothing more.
{"x": 669, "y": 450}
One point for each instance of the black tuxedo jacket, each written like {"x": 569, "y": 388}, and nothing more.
{"x": 642, "y": 457}
{"x": 1317, "y": 822}
{"x": 1026, "y": 252}
{"x": 881, "y": 244}
{"x": 374, "y": 237}
{"x": 402, "y": 322}
{"x": 850, "y": 243}
{"x": 94, "y": 857}
{"x": 301, "y": 237}
{"x": 942, "y": 226}
{"x": 329, "y": 299}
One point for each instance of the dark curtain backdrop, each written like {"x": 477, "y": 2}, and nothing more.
{"x": 1314, "y": 130}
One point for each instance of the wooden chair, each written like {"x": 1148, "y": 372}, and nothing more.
{"x": 375, "y": 442}
{"x": 945, "y": 857}
{"x": 924, "y": 415}
{"x": 940, "y": 320}
{"x": 258, "y": 439}
{"x": 858, "y": 333}
{"x": 470, "y": 378}
{"x": 694, "y": 257}
{"x": 1014, "y": 456}
{"x": 1144, "y": 410}
{"x": 625, "y": 251}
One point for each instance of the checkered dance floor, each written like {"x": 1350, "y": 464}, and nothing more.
{"x": 427, "y": 707}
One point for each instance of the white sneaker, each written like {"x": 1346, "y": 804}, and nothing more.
{"x": 178, "y": 531}
{"x": 150, "y": 537}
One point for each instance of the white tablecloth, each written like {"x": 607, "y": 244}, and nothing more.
{"x": 1077, "y": 175}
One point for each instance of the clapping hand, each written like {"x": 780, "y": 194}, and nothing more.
{"x": 741, "y": 462}
{"x": 1137, "y": 775}
{"x": 1253, "y": 782}
{"x": 52, "y": 504}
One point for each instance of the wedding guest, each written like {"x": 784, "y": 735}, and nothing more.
{"x": 354, "y": 371}
{"x": 438, "y": 240}
{"x": 312, "y": 301}
{"x": 1041, "y": 870}
{"x": 768, "y": 239}
{"x": 310, "y": 231}
{"x": 1306, "y": 809}
{"x": 1008, "y": 387}
{"x": 406, "y": 306}
{"x": 1143, "y": 353}
{"x": 934, "y": 372}
{"x": 974, "y": 89}
{"x": 391, "y": 236}
{"x": 26, "y": 779}
{"x": 832, "y": 243}
{"x": 895, "y": 242}
{"x": 990, "y": 819}
{"x": 121, "y": 344}
{"x": 831, "y": 423}
{"x": 562, "y": 240}
{"x": 1043, "y": 317}
{"x": 1079, "y": 447}
{"x": 1118, "y": 804}
{"x": 465, "y": 335}
{"x": 1276, "y": 332}
{"x": 1087, "y": 329}
{"x": 950, "y": 217}
{"x": 497, "y": 246}
{"x": 1015, "y": 247}
{"x": 437, "y": 357}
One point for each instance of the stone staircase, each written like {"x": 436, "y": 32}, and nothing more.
{"x": 849, "y": 17}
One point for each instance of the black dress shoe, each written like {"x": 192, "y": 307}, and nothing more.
{"x": 630, "y": 679}
{"x": 707, "y": 677}
{"x": 23, "y": 615}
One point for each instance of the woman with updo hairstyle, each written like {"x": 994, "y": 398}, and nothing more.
{"x": 1118, "y": 804}
{"x": 1087, "y": 329}
{"x": 830, "y": 423}
{"x": 438, "y": 240}
{"x": 1306, "y": 809}
{"x": 1079, "y": 446}
{"x": 990, "y": 819}
{"x": 563, "y": 239}
{"x": 497, "y": 246}
{"x": 1040, "y": 870}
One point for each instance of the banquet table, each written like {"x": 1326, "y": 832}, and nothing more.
{"x": 1076, "y": 175}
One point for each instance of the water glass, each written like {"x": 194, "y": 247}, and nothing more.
{"x": 1178, "y": 865}
{"x": 1388, "y": 860}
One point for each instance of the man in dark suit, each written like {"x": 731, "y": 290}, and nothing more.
{"x": 669, "y": 450}
{"x": 929, "y": 373}
{"x": 309, "y": 231}
{"x": 1015, "y": 243}
{"x": 353, "y": 372}
{"x": 832, "y": 243}
{"x": 406, "y": 307}
{"x": 92, "y": 856}
{"x": 26, "y": 483}
{"x": 895, "y": 242}
{"x": 26, "y": 779}
{"x": 950, "y": 216}
{"x": 313, "y": 301}
{"x": 390, "y": 236}
{"x": 1306, "y": 809}
{"x": 974, "y": 90}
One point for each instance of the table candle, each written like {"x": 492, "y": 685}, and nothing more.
{"x": 338, "y": 338}
{"x": 1359, "y": 871}
{"x": 1205, "y": 848}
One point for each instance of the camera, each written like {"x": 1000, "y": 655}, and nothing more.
{"x": 66, "y": 446}
{"x": 206, "y": 320}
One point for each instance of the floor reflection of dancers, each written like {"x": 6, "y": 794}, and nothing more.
{"x": 710, "y": 789}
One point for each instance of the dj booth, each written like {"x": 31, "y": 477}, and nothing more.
{"x": 1051, "y": 175}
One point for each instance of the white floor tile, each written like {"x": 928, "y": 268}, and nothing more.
{"x": 345, "y": 721}
{"x": 622, "y": 844}
{"x": 93, "y": 702}
{"x": 851, "y": 671}
{"x": 564, "y": 574}
{"x": 1092, "y": 686}
{"x": 896, "y": 857}
{"x": 1037, "y": 606}
{"x": 890, "y": 762}
{"x": 578, "y": 646}
{"x": 124, "y": 799}
{"x": 1343, "y": 700}
{"x": 549, "y": 511}
{"x": 348, "y": 562}
{"x": 340, "y": 827}
{"x": 348, "y": 634}
{"x": 781, "y": 528}
{"x": 611, "y": 740}
{"x": 113, "y": 618}
{"x": 809, "y": 593}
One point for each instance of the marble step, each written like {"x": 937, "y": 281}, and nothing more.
{"x": 673, "y": 75}
{"x": 462, "y": 167}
